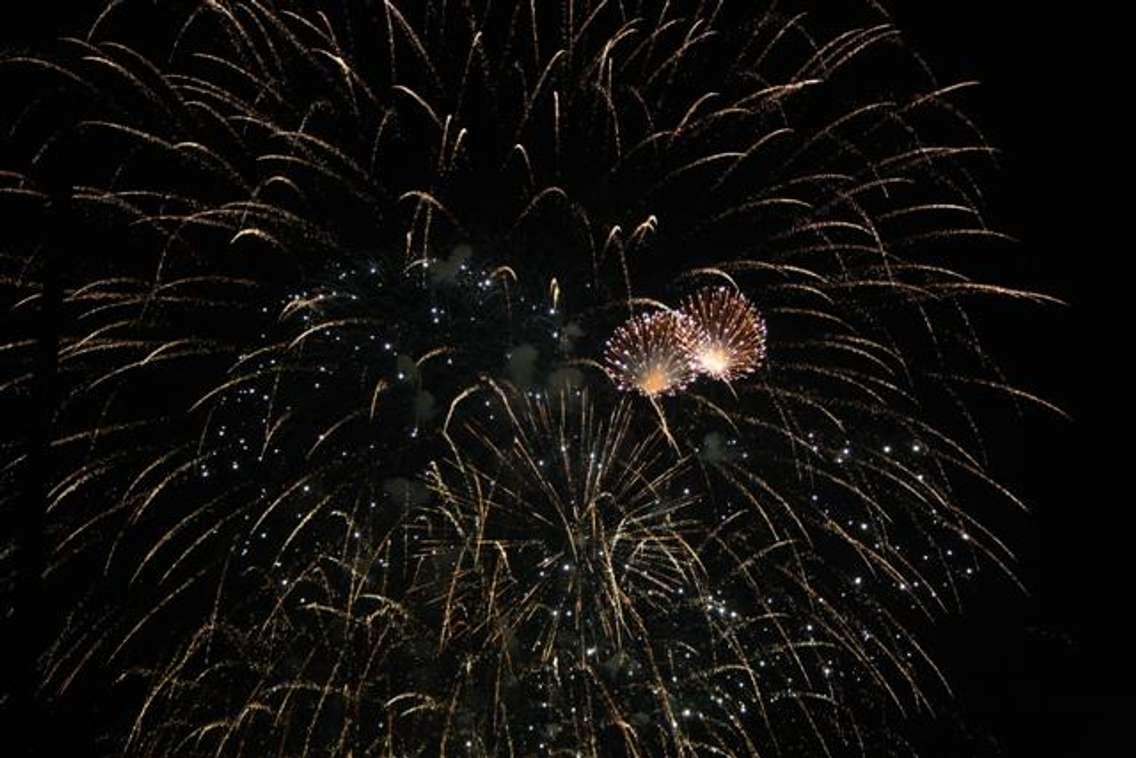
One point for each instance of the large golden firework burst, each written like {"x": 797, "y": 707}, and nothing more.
{"x": 285, "y": 515}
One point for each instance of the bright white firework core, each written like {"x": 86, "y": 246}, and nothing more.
{"x": 714, "y": 360}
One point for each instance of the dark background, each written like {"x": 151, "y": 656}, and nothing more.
{"x": 1048, "y": 672}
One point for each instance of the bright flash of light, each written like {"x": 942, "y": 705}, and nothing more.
{"x": 731, "y": 334}
{"x": 651, "y": 353}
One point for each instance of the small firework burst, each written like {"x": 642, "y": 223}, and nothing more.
{"x": 651, "y": 353}
{"x": 731, "y": 333}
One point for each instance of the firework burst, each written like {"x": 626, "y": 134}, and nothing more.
{"x": 651, "y": 353}
{"x": 574, "y": 563}
{"x": 329, "y": 432}
{"x": 731, "y": 333}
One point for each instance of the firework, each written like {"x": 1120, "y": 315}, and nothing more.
{"x": 572, "y": 530}
{"x": 731, "y": 339}
{"x": 329, "y": 432}
{"x": 651, "y": 353}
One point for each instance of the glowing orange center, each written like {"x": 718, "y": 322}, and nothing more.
{"x": 654, "y": 380}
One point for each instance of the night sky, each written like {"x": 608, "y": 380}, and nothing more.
{"x": 1047, "y": 671}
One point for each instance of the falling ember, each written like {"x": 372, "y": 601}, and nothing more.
{"x": 651, "y": 353}
{"x": 731, "y": 333}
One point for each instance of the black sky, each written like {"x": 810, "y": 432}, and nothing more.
{"x": 1048, "y": 674}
